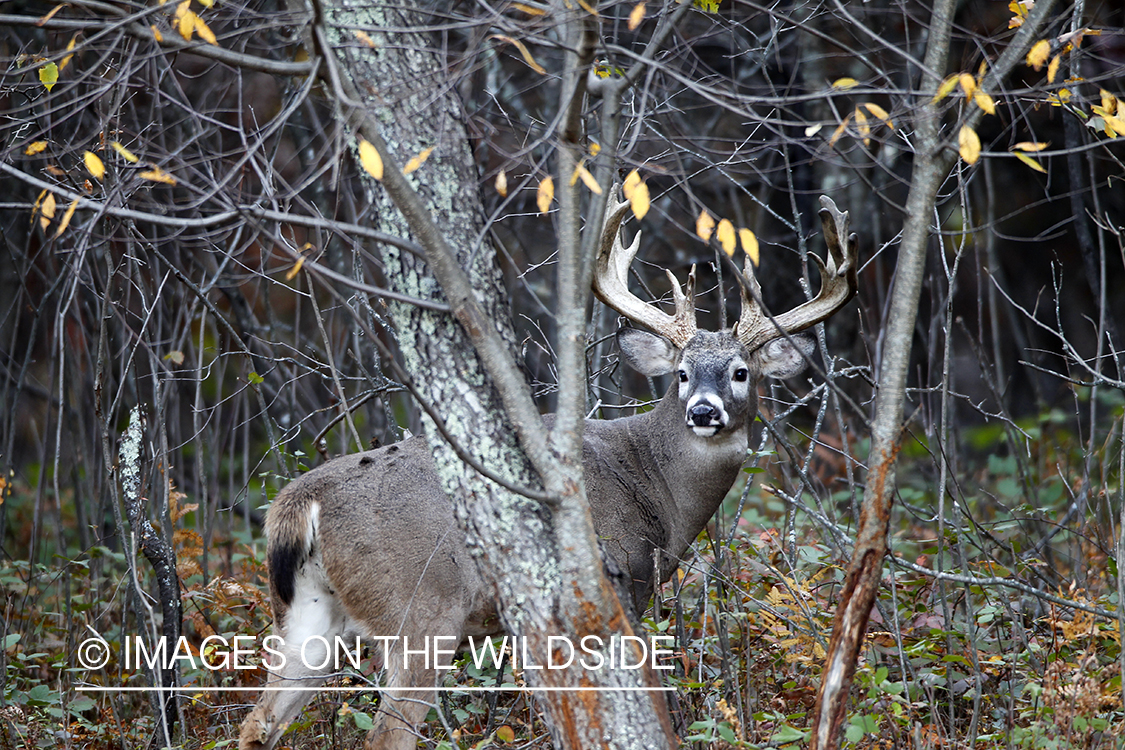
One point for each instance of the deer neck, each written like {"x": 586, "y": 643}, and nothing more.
{"x": 697, "y": 471}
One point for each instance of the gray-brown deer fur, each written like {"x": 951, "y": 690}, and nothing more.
{"x": 368, "y": 545}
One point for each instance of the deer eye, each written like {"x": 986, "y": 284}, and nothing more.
{"x": 683, "y": 376}
{"x": 741, "y": 374}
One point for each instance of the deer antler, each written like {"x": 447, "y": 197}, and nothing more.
{"x": 611, "y": 284}
{"x": 838, "y": 284}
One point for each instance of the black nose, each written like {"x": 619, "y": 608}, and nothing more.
{"x": 703, "y": 415}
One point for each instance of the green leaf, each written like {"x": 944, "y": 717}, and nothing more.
{"x": 362, "y": 721}
{"x": 49, "y": 75}
{"x": 255, "y": 378}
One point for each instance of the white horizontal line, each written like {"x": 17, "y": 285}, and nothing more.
{"x": 227, "y": 688}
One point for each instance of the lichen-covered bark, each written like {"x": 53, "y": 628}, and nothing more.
{"x": 543, "y": 562}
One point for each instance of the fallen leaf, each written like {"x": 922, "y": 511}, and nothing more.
{"x": 37, "y": 147}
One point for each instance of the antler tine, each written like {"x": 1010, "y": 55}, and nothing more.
{"x": 611, "y": 283}
{"x": 838, "y": 284}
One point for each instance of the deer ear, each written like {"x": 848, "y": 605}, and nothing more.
{"x": 782, "y": 358}
{"x": 647, "y": 353}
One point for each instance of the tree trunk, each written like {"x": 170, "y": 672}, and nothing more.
{"x": 541, "y": 558}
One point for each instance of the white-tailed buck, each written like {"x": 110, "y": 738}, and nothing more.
{"x": 367, "y": 544}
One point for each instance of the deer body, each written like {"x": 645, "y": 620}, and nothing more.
{"x": 368, "y": 544}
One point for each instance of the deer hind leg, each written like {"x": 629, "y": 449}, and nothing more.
{"x": 402, "y": 711}
{"x": 309, "y": 629}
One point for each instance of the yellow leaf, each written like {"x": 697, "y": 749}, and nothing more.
{"x": 845, "y": 83}
{"x": 296, "y": 269}
{"x": 370, "y": 160}
{"x": 704, "y": 225}
{"x": 879, "y": 112}
{"x": 186, "y": 25}
{"x": 984, "y": 101}
{"x": 545, "y": 194}
{"x": 65, "y": 221}
{"x": 37, "y": 147}
{"x": 636, "y": 16}
{"x": 839, "y": 130}
{"x": 529, "y": 9}
{"x": 631, "y": 181}
{"x": 1039, "y": 53}
{"x": 205, "y": 32}
{"x": 49, "y": 75}
{"x": 726, "y": 237}
{"x": 968, "y": 84}
{"x": 44, "y": 19}
{"x": 69, "y": 47}
{"x": 1109, "y": 102}
{"x": 94, "y": 164}
{"x": 946, "y": 87}
{"x": 588, "y": 180}
{"x": 640, "y": 200}
{"x": 364, "y": 37}
{"x": 417, "y": 161}
{"x": 1114, "y": 126}
{"x": 502, "y": 183}
{"x": 861, "y": 124}
{"x": 1031, "y": 162}
{"x": 749, "y": 244}
{"x": 156, "y": 34}
{"x": 506, "y": 734}
{"x": 1053, "y": 68}
{"x": 126, "y": 154}
{"x": 207, "y": 3}
{"x": 47, "y": 211}
{"x": 182, "y": 9}
{"x": 968, "y": 143}
{"x": 527, "y": 58}
{"x": 156, "y": 174}
{"x": 1059, "y": 99}
{"x": 707, "y": 6}
{"x": 1030, "y": 146}
{"x": 595, "y": 148}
